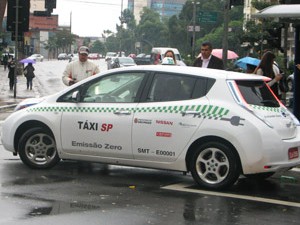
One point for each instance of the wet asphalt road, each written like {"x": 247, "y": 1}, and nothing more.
{"x": 90, "y": 193}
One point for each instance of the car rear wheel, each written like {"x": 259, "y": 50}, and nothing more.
{"x": 37, "y": 149}
{"x": 215, "y": 166}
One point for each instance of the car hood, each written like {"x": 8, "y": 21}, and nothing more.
{"x": 28, "y": 102}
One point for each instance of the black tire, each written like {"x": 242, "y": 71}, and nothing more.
{"x": 37, "y": 149}
{"x": 259, "y": 176}
{"x": 215, "y": 166}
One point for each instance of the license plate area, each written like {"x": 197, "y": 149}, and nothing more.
{"x": 293, "y": 153}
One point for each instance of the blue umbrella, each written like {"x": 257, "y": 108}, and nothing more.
{"x": 242, "y": 63}
{"x": 27, "y": 61}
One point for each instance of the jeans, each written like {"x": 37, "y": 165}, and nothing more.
{"x": 29, "y": 83}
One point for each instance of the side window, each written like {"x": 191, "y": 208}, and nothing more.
{"x": 114, "y": 88}
{"x": 166, "y": 87}
{"x": 121, "y": 88}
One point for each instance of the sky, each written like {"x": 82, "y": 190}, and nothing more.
{"x": 89, "y": 17}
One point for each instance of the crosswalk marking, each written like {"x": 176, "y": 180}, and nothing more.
{"x": 184, "y": 187}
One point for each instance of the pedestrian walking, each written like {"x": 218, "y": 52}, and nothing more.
{"x": 29, "y": 74}
{"x": 5, "y": 61}
{"x": 11, "y": 74}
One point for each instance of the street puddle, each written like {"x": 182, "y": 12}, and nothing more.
{"x": 44, "y": 179}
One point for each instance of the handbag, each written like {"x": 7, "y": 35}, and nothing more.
{"x": 25, "y": 72}
{"x": 283, "y": 86}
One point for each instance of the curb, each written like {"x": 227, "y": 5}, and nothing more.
{"x": 7, "y": 107}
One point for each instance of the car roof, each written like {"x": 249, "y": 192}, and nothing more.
{"x": 196, "y": 71}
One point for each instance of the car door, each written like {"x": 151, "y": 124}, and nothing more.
{"x": 165, "y": 122}
{"x": 100, "y": 123}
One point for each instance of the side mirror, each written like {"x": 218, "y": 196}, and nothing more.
{"x": 76, "y": 96}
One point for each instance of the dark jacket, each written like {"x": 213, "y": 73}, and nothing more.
{"x": 214, "y": 63}
{"x": 28, "y": 71}
{"x": 11, "y": 68}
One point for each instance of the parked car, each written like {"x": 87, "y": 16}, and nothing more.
{"x": 94, "y": 56}
{"x": 122, "y": 62}
{"x": 63, "y": 56}
{"x": 109, "y": 55}
{"x": 36, "y": 57}
{"x": 142, "y": 59}
{"x": 216, "y": 124}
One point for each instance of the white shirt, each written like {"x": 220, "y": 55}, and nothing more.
{"x": 79, "y": 70}
{"x": 205, "y": 62}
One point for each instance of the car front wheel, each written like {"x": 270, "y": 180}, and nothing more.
{"x": 215, "y": 166}
{"x": 37, "y": 149}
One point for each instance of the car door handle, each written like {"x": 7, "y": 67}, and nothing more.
{"x": 122, "y": 112}
{"x": 195, "y": 113}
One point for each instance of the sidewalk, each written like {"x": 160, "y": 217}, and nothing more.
{"x": 7, "y": 99}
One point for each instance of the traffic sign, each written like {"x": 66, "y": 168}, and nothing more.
{"x": 207, "y": 16}
{"x": 191, "y": 28}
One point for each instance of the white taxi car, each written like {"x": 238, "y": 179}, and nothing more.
{"x": 216, "y": 124}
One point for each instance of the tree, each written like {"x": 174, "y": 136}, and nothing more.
{"x": 64, "y": 41}
{"x": 265, "y": 34}
{"x": 51, "y": 46}
{"x": 151, "y": 31}
{"x": 98, "y": 46}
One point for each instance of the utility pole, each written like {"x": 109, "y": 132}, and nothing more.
{"x": 194, "y": 30}
{"x": 225, "y": 33}
{"x": 16, "y": 48}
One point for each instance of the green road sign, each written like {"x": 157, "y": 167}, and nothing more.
{"x": 207, "y": 17}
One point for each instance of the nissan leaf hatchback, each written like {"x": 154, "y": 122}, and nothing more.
{"x": 215, "y": 124}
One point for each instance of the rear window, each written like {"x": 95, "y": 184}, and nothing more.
{"x": 257, "y": 93}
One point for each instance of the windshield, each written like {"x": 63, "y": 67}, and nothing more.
{"x": 257, "y": 93}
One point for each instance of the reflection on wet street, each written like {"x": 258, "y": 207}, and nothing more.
{"x": 81, "y": 192}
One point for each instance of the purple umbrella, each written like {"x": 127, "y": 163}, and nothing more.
{"x": 27, "y": 61}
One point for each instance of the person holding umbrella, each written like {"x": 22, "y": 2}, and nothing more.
{"x": 29, "y": 74}
{"x": 206, "y": 59}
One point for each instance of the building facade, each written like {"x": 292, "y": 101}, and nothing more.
{"x": 165, "y": 8}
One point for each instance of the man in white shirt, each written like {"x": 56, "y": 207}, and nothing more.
{"x": 80, "y": 69}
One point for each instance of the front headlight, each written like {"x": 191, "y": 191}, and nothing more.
{"x": 27, "y": 103}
